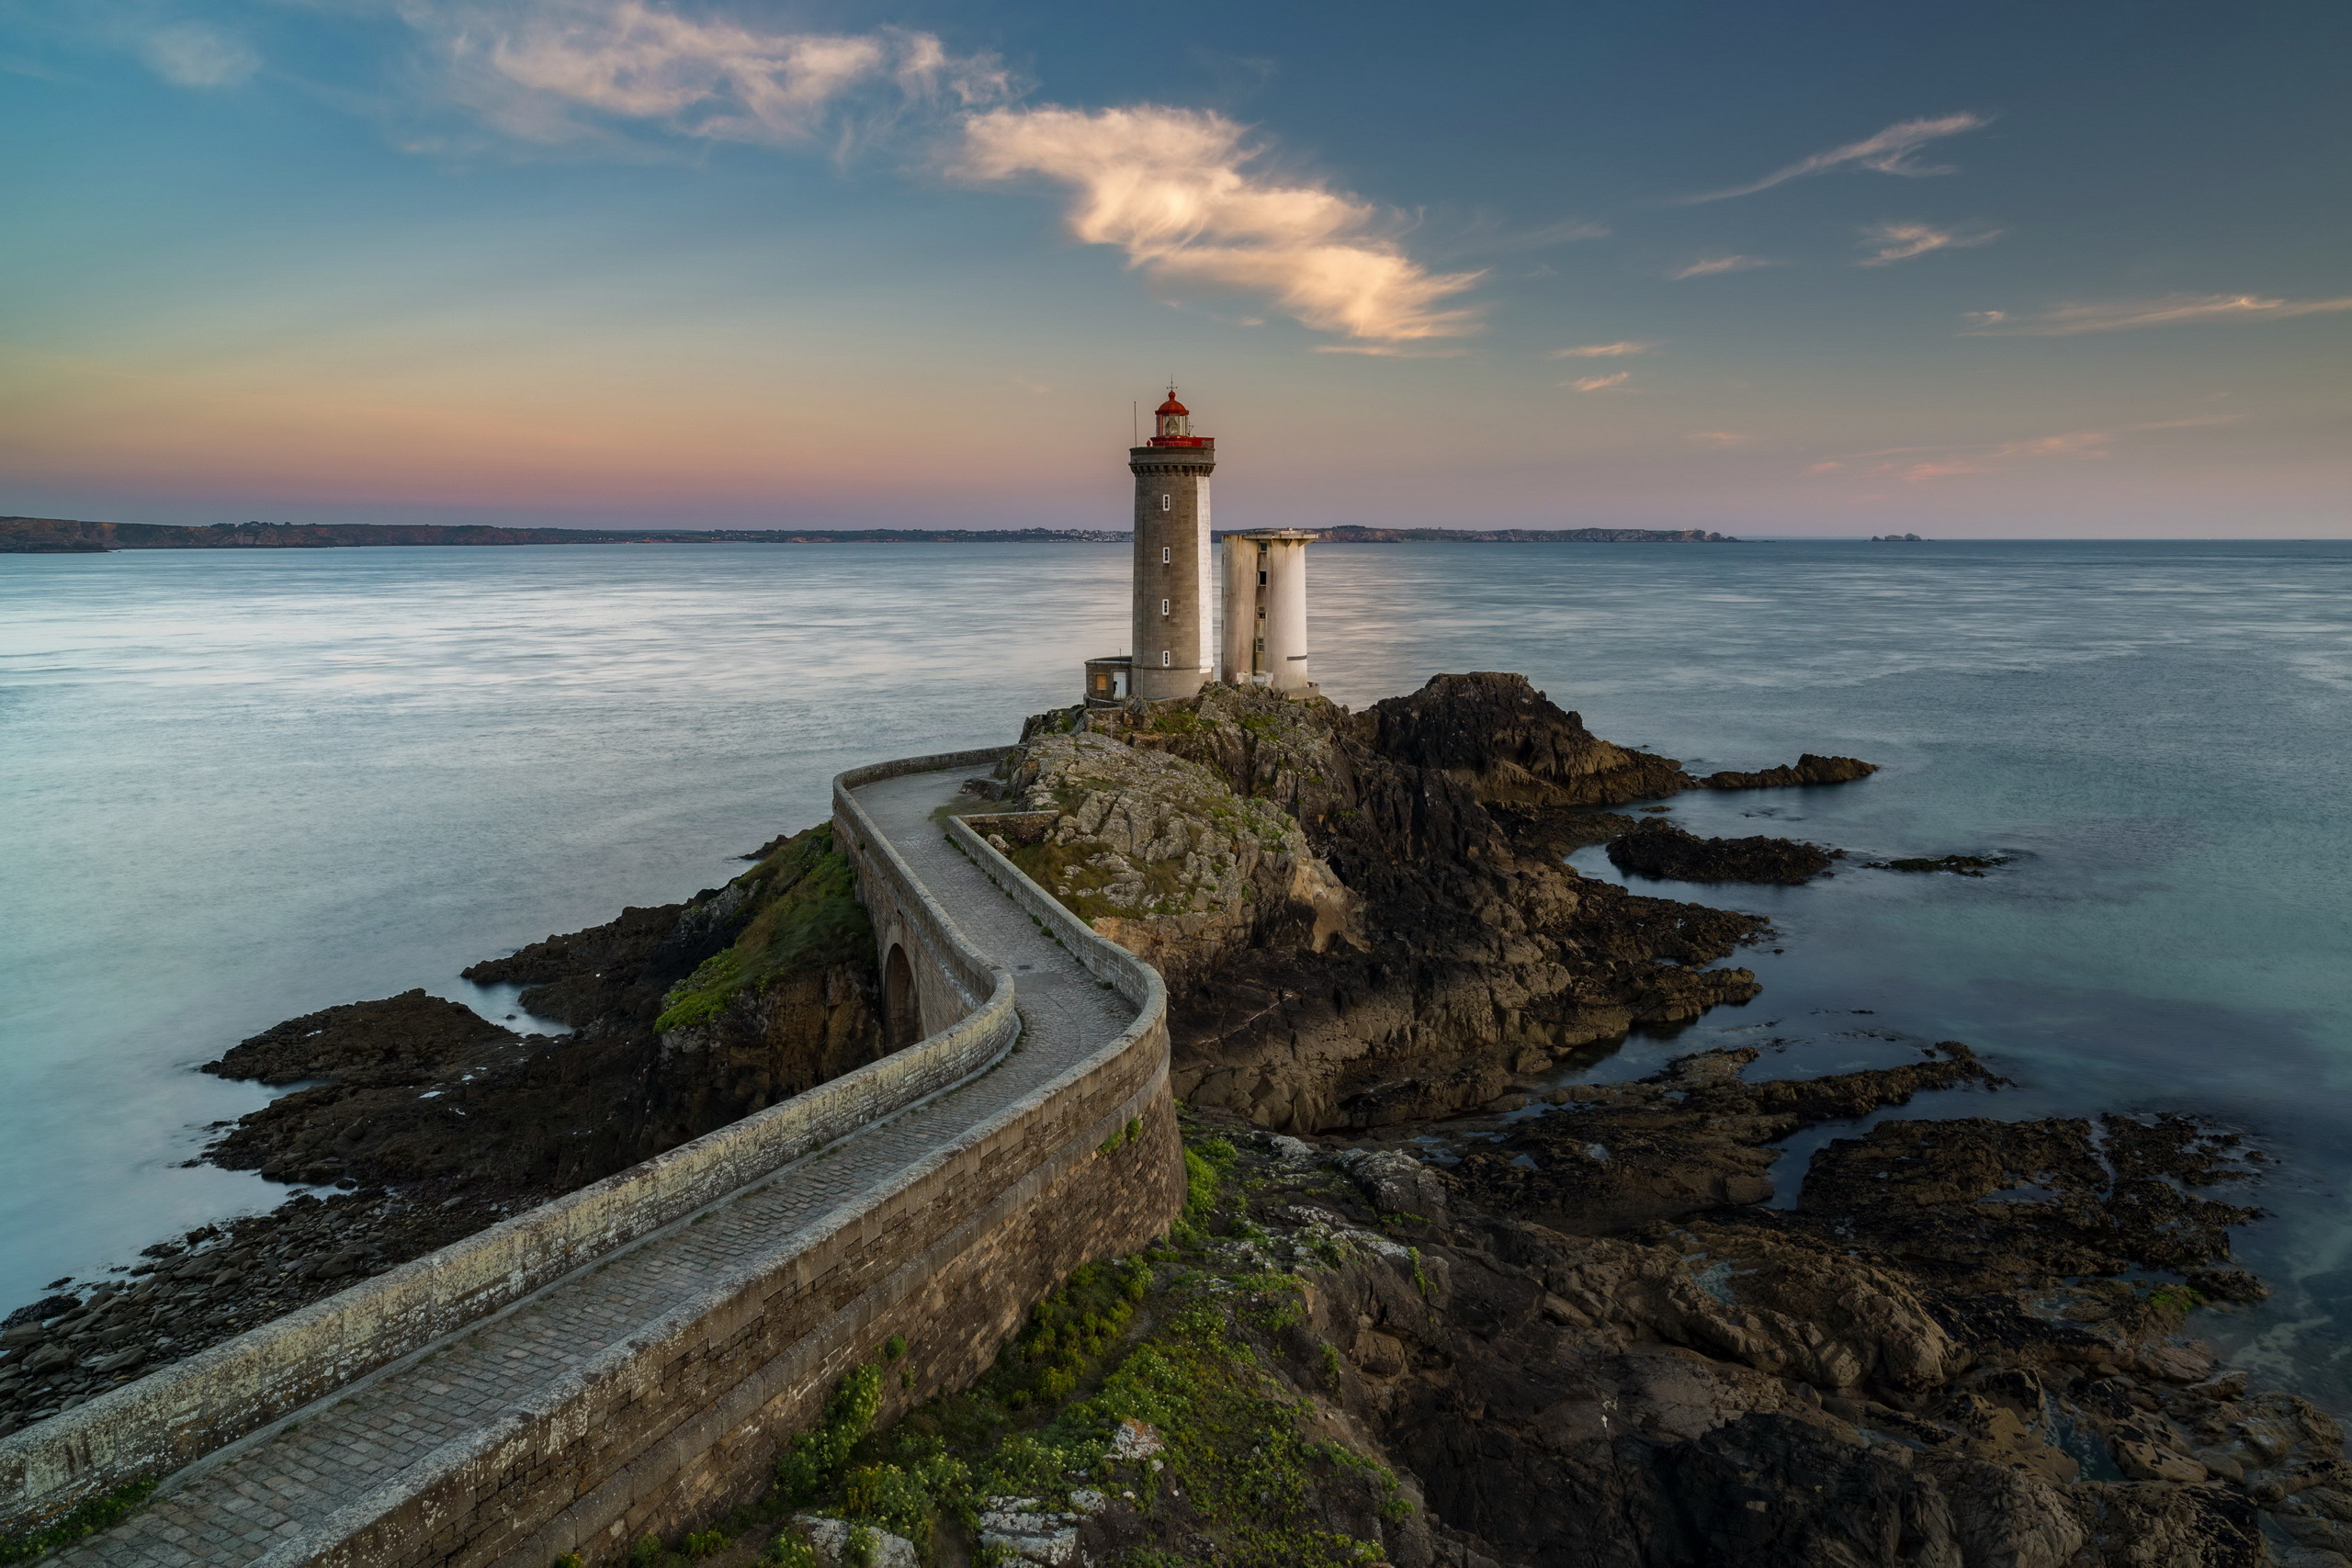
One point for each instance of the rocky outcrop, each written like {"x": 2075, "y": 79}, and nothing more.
{"x": 1726, "y": 1383}
{"x": 1692, "y": 1137}
{"x": 1659, "y": 849}
{"x": 1509, "y": 744}
{"x": 1810, "y": 770}
{"x": 1958, "y": 866}
{"x": 786, "y": 1006}
{"x": 434, "y": 1121}
{"x": 1166, "y": 860}
{"x": 1364, "y": 918}
{"x": 1430, "y": 1368}
{"x": 1987, "y": 1203}
{"x": 685, "y": 1018}
{"x": 410, "y": 1038}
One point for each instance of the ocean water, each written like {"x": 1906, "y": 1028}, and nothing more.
{"x": 239, "y": 786}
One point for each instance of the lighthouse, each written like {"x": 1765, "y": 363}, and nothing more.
{"x": 1174, "y": 627}
{"x": 1177, "y": 649}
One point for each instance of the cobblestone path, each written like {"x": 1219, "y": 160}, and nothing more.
{"x": 264, "y": 1500}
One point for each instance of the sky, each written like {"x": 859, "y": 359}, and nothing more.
{"x": 1997, "y": 270}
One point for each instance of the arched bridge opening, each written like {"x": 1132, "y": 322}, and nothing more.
{"x": 901, "y": 1007}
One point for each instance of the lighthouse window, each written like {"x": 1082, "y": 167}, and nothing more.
{"x": 1165, "y": 501}
{"x": 1165, "y": 556}
{"x": 1261, "y": 580}
{"x": 1163, "y": 606}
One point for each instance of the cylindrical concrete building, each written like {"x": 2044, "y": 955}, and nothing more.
{"x": 1174, "y": 615}
{"x": 1285, "y": 602}
{"x": 1265, "y": 609}
{"x": 1239, "y": 639}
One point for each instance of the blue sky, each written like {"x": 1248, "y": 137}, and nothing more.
{"x": 1996, "y": 270}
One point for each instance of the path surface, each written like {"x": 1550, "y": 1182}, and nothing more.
{"x": 265, "y": 1498}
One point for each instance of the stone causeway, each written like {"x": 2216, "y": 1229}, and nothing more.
{"x": 633, "y": 1356}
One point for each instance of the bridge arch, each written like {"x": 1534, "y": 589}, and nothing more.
{"x": 644, "y": 1346}
{"x": 901, "y": 1007}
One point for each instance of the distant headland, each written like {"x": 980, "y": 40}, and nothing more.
{"x": 57, "y": 535}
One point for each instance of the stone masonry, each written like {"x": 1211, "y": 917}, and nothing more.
{"x": 654, "y": 1387}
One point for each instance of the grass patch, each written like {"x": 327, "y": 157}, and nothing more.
{"x": 805, "y": 916}
{"x": 1199, "y": 1339}
{"x": 1179, "y": 1339}
{"x": 86, "y": 1519}
{"x": 1207, "y": 1163}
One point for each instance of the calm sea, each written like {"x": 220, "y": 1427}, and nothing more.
{"x": 235, "y": 787}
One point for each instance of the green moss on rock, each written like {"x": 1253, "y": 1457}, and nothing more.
{"x": 804, "y": 917}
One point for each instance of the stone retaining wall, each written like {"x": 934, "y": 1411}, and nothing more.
{"x": 163, "y": 1421}
{"x": 904, "y": 916}
{"x": 684, "y": 1420}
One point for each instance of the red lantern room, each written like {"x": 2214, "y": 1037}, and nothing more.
{"x": 1172, "y": 424}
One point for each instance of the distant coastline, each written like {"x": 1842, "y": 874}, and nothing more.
{"x": 57, "y": 535}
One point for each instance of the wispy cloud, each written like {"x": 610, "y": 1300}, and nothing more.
{"x": 1890, "y": 152}
{"x": 2121, "y": 315}
{"x": 1914, "y": 464}
{"x": 1719, "y": 437}
{"x": 1890, "y": 243}
{"x": 1391, "y": 350}
{"x": 1711, "y": 266}
{"x": 555, "y": 71}
{"x": 1180, "y": 191}
{"x": 194, "y": 55}
{"x": 1600, "y": 383}
{"x": 1174, "y": 190}
{"x": 1603, "y": 351}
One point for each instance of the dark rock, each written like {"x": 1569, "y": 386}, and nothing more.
{"x": 1462, "y": 951}
{"x": 1511, "y": 745}
{"x": 406, "y": 1038}
{"x": 1809, "y": 771}
{"x": 1660, "y": 848}
{"x": 1989, "y": 1204}
{"x": 2227, "y": 1285}
{"x": 1756, "y": 1387}
{"x": 454, "y": 1122}
{"x": 35, "y": 1312}
{"x": 1958, "y": 866}
{"x": 1689, "y": 1138}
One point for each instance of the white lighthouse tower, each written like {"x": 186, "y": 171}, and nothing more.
{"x": 1174, "y": 624}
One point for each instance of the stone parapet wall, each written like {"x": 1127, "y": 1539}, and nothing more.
{"x": 684, "y": 1420}
{"x": 904, "y": 914}
{"x": 1103, "y": 959}
{"x": 161, "y": 1422}
{"x": 945, "y": 1239}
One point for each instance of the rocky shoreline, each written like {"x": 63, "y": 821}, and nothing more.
{"x": 1348, "y": 1354}
{"x": 1566, "y": 1326}
{"x": 419, "y": 1122}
